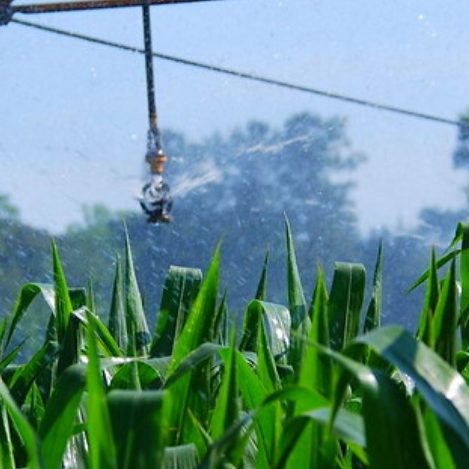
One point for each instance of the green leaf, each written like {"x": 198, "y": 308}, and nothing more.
{"x": 198, "y": 327}
{"x": 179, "y": 292}
{"x": 261, "y": 293}
{"x": 345, "y": 303}
{"x": 392, "y": 437}
{"x": 90, "y": 297}
{"x": 441, "y": 262}
{"x": 24, "y": 376}
{"x": 316, "y": 368}
{"x": 197, "y": 330}
{"x": 373, "y": 314}
{"x": 7, "y": 458}
{"x": 220, "y": 324}
{"x": 276, "y": 320}
{"x": 266, "y": 368}
{"x": 3, "y": 331}
{"x": 462, "y": 231}
{"x": 33, "y": 407}
{"x": 148, "y": 377}
{"x": 102, "y": 450}
{"x": 310, "y": 447}
{"x": 138, "y": 334}
{"x": 24, "y": 429}
{"x": 180, "y": 457}
{"x": 443, "y": 389}
{"x": 117, "y": 321}
{"x": 60, "y": 415}
{"x": 432, "y": 293}
{"x": 71, "y": 344}
{"x": 140, "y": 436}
{"x": 10, "y": 357}
{"x": 63, "y": 302}
{"x": 440, "y": 451}
{"x": 446, "y": 320}
{"x": 253, "y": 393}
{"x": 296, "y": 297}
{"x": 192, "y": 361}
{"x": 27, "y": 294}
{"x": 347, "y": 426}
{"x": 226, "y": 406}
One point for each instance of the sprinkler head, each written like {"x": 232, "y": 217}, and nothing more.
{"x": 156, "y": 200}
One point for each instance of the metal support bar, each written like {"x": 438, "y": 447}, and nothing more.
{"x": 92, "y": 5}
{"x": 6, "y": 12}
{"x": 152, "y": 116}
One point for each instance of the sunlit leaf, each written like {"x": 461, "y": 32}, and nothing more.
{"x": 60, "y": 415}
{"x": 345, "y": 303}
{"x": 137, "y": 329}
{"x": 179, "y": 292}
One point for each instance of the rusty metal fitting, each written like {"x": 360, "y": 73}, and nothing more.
{"x": 157, "y": 163}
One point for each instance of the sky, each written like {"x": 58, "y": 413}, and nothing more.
{"x": 73, "y": 116}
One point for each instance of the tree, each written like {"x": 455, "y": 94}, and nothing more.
{"x": 7, "y": 210}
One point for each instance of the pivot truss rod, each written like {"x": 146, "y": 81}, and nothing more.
{"x": 7, "y": 10}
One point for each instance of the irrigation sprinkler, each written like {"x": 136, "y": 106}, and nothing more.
{"x": 155, "y": 201}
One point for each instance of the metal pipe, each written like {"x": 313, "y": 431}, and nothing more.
{"x": 93, "y": 5}
{"x": 152, "y": 116}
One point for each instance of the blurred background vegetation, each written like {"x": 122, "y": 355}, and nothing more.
{"x": 237, "y": 187}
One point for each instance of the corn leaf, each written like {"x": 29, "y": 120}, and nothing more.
{"x": 373, "y": 314}
{"x": 138, "y": 334}
{"x": 261, "y": 293}
{"x": 102, "y": 451}
{"x": 117, "y": 321}
{"x": 440, "y": 451}
{"x": 197, "y": 330}
{"x": 345, "y": 303}
{"x": 180, "y": 457}
{"x": 220, "y": 324}
{"x": 148, "y": 376}
{"x": 392, "y": 438}
{"x": 24, "y": 429}
{"x": 7, "y": 457}
{"x": 71, "y": 344}
{"x": 24, "y": 377}
{"x": 253, "y": 393}
{"x": 347, "y": 426}
{"x": 446, "y": 319}
{"x": 60, "y": 414}
{"x": 179, "y": 292}
{"x": 316, "y": 369}
{"x": 193, "y": 360}
{"x": 441, "y": 262}
{"x": 443, "y": 388}
{"x": 26, "y": 296}
{"x": 107, "y": 342}
{"x": 432, "y": 294}
{"x": 63, "y": 302}
{"x": 226, "y": 409}
{"x": 5, "y": 361}
{"x": 138, "y": 428}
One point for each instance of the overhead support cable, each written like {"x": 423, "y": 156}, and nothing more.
{"x": 59, "y": 7}
{"x": 253, "y": 77}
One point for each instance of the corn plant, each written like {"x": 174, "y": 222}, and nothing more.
{"x": 313, "y": 383}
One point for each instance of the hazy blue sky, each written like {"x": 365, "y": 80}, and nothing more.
{"x": 73, "y": 115}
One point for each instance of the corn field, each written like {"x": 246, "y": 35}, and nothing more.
{"x": 313, "y": 383}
